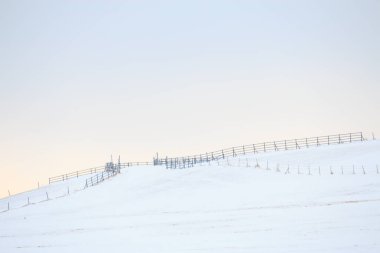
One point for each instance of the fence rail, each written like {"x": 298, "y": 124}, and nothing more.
{"x": 76, "y": 174}
{"x": 292, "y": 144}
{"x": 92, "y": 171}
{"x": 129, "y": 164}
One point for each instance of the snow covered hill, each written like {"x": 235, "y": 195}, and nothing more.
{"x": 323, "y": 199}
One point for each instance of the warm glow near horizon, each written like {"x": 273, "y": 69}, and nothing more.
{"x": 83, "y": 80}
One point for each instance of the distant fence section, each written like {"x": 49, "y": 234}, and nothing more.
{"x": 93, "y": 170}
{"x": 100, "y": 177}
{"x": 291, "y": 144}
{"x": 64, "y": 188}
{"x": 76, "y": 174}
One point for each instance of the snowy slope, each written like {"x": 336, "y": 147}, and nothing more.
{"x": 233, "y": 206}
{"x": 47, "y": 192}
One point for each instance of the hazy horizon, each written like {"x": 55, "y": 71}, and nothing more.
{"x": 81, "y": 80}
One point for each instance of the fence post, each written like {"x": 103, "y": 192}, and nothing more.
{"x": 254, "y": 149}
{"x": 328, "y": 140}
{"x": 339, "y": 139}
{"x": 317, "y": 141}
{"x": 307, "y": 144}
{"x": 350, "y": 137}
{"x": 264, "y": 148}
{"x": 286, "y": 147}
{"x": 287, "y": 170}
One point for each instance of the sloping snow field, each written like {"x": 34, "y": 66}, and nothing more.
{"x": 322, "y": 199}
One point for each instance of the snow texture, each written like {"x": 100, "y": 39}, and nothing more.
{"x": 322, "y": 199}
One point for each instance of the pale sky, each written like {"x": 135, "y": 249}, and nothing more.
{"x": 81, "y": 80}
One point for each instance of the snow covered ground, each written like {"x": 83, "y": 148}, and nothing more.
{"x": 246, "y": 204}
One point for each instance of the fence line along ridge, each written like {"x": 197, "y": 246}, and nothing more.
{"x": 290, "y": 144}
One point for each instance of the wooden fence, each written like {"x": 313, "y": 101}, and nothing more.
{"x": 190, "y": 161}
{"x": 100, "y": 177}
{"x": 76, "y": 174}
{"x": 92, "y": 171}
{"x": 292, "y": 144}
